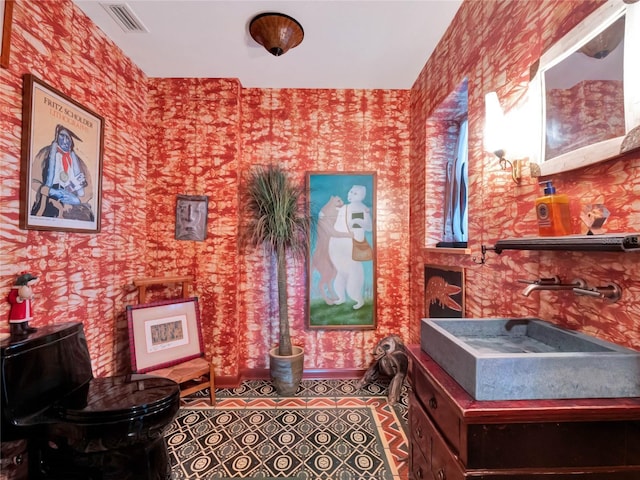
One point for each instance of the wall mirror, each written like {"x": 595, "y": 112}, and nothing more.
{"x": 585, "y": 91}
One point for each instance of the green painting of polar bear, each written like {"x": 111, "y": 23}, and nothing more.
{"x": 341, "y": 281}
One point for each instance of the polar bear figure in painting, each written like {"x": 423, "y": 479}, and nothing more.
{"x": 354, "y": 218}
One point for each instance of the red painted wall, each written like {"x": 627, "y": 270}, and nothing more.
{"x": 165, "y": 137}
{"x": 493, "y": 44}
{"x": 83, "y": 277}
{"x": 208, "y": 135}
{"x": 170, "y": 136}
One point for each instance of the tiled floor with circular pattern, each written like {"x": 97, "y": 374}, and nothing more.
{"x": 330, "y": 430}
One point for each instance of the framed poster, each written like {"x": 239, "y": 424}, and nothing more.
{"x": 341, "y": 281}
{"x": 443, "y": 291}
{"x": 164, "y": 333}
{"x": 6, "y": 10}
{"x": 191, "y": 217}
{"x": 61, "y": 169}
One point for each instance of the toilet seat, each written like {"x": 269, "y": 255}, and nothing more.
{"x": 119, "y": 398}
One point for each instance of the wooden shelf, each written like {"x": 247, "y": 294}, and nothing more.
{"x": 447, "y": 250}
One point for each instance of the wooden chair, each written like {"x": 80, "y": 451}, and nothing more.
{"x": 143, "y": 283}
{"x": 192, "y": 375}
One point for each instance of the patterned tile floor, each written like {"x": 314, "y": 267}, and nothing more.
{"x": 329, "y": 430}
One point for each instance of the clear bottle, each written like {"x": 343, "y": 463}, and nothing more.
{"x": 552, "y": 210}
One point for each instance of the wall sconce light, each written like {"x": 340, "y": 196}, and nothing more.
{"x": 276, "y": 32}
{"x": 497, "y": 135}
{"x": 515, "y": 165}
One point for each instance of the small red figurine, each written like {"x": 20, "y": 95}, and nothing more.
{"x": 20, "y": 299}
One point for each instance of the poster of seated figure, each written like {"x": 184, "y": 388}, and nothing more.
{"x": 341, "y": 289}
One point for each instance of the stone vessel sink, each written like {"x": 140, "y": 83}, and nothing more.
{"x": 528, "y": 358}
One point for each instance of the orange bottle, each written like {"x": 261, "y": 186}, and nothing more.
{"x": 552, "y": 211}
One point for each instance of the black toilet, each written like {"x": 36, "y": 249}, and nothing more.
{"x": 77, "y": 426}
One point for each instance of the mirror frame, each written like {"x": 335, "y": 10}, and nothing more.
{"x": 595, "y": 23}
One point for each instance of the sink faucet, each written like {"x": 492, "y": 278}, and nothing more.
{"x": 611, "y": 292}
{"x": 551, "y": 283}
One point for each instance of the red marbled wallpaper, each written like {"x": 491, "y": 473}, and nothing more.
{"x": 83, "y": 277}
{"x": 334, "y": 130}
{"x": 169, "y": 136}
{"x": 208, "y": 135}
{"x": 165, "y": 137}
{"x": 195, "y": 127}
{"x": 493, "y": 44}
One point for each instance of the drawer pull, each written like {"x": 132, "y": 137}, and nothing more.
{"x": 419, "y": 473}
{"x": 433, "y": 403}
{"x": 419, "y": 432}
{"x": 441, "y": 475}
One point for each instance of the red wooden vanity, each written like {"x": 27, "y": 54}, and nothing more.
{"x": 454, "y": 437}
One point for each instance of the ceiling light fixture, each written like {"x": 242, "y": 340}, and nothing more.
{"x": 602, "y": 45}
{"x": 276, "y": 32}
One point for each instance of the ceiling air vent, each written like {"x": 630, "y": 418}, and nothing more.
{"x": 124, "y": 16}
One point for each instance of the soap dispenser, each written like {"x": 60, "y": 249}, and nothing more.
{"x": 552, "y": 211}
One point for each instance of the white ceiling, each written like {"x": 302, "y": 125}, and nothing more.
{"x": 347, "y": 43}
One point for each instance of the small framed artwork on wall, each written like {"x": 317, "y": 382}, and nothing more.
{"x": 61, "y": 169}
{"x": 443, "y": 291}
{"x": 342, "y": 208}
{"x": 191, "y": 217}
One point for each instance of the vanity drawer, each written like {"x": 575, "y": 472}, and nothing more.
{"x": 420, "y": 441}
{"x": 430, "y": 455}
{"x": 419, "y": 424}
{"x": 444, "y": 463}
{"x": 420, "y": 468}
{"x": 437, "y": 405}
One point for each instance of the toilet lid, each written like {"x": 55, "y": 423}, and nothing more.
{"x": 117, "y": 398}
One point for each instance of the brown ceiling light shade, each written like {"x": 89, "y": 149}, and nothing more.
{"x": 276, "y": 32}
{"x": 603, "y": 44}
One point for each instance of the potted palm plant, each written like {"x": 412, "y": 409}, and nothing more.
{"x": 277, "y": 222}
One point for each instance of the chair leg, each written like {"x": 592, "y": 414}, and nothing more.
{"x": 212, "y": 385}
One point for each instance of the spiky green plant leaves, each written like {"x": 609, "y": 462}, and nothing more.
{"x": 278, "y": 222}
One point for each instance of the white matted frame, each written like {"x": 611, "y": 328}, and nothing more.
{"x": 164, "y": 333}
